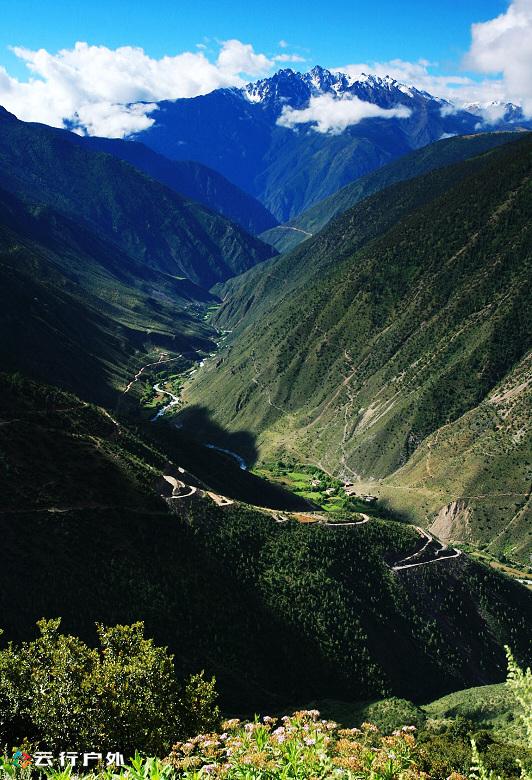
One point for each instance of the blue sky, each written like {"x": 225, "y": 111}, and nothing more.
{"x": 325, "y": 33}
{"x": 102, "y": 65}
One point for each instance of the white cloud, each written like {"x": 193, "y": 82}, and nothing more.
{"x": 454, "y": 87}
{"x": 330, "y": 114}
{"x": 236, "y": 57}
{"x": 412, "y": 73}
{"x": 288, "y": 58}
{"x": 504, "y": 46}
{"x": 113, "y": 120}
{"x": 95, "y": 85}
{"x": 490, "y": 113}
{"x": 500, "y": 51}
{"x": 112, "y": 91}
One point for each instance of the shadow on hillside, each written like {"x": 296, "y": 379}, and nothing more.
{"x": 185, "y": 443}
{"x": 198, "y": 424}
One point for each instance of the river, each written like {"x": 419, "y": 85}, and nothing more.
{"x": 239, "y": 459}
{"x": 175, "y": 401}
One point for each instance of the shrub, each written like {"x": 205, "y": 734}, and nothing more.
{"x": 57, "y": 692}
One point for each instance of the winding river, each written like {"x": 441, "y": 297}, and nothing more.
{"x": 174, "y": 402}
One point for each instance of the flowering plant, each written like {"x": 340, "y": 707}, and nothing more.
{"x": 297, "y": 747}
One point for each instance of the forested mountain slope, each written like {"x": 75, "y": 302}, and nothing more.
{"x": 428, "y": 158}
{"x": 389, "y": 329}
{"x": 252, "y": 294}
{"x": 77, "y": 312}
{"x": 190, "y": 179}
{"x": 280, "y": 612}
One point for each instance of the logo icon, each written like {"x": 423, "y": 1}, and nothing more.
{"x": 21, "y": 759}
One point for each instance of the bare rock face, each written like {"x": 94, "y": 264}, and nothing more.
{"x": 452, "y": 521}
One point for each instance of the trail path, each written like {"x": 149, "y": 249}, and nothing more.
{"x": 296, "y": 230}
{"x": 263, "y": 387}
{"x": 139, "y": 373}
{"x": 348, "y": 524}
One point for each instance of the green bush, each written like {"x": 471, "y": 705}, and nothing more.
{"x": 56, "y": 691}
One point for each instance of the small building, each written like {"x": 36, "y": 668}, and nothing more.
{"x": 350, "y": 489}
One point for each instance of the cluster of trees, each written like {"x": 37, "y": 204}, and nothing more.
{"x": 59, "y": 692}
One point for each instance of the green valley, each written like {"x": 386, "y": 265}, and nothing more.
{"x": 102, "y": 268}
{"x": 235, "y": 481}
{"x": 385, "y": 339}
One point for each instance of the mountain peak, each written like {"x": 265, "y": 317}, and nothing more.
{"x": 284, "y": 86}
{"x": 295, "y": 88}
{"x": 495, "y": 111}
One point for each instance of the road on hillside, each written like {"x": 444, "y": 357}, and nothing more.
{"x": 348, "y": 523}
{"x": 432, "y": 551}
{"x": 139, "y": 373}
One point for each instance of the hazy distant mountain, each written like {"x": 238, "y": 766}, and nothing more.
{"x": 145, "y": 219}
{"x": 190, "y": 179}
{"x": 236, "y": 132}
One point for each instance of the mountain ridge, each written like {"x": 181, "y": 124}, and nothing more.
{"x": 236, "y": 131}
{"x": 437, "y": 155}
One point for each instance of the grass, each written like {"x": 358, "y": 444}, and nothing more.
{"x": 490, "y": 707}
{"x": 299, "y": 478}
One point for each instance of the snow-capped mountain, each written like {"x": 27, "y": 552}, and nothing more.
{"x": 495, "y": 112}
{"x": 296, "y": 89}
{"x": 288, "y": 166}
